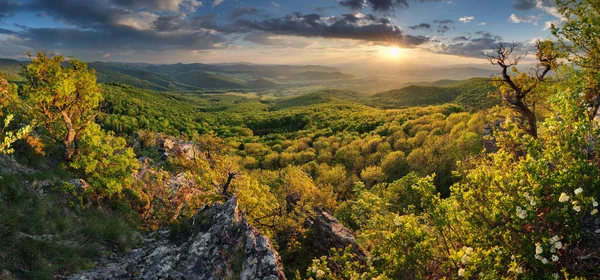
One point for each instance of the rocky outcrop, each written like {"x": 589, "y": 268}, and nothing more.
{"x": 173, "y": 147}
{"x": 328, "y": 233}
{"x": 217, "y": 243}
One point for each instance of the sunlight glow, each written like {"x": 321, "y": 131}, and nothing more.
{"x": 394, "y": 52}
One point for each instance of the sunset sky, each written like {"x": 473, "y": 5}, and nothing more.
{"x": 330, "y": 32}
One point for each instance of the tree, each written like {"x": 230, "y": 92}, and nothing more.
{"x": 518, "y": 89}
{"x": 579, "y": 36}
{"x": 7, "y": 137}
{"x": 63, "y": 97}
{"x": 105, "y": 160}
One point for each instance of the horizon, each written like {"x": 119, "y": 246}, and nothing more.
{"x": 365, "y": 34}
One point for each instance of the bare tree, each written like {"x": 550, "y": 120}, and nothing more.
{"x": 519, "y": 89}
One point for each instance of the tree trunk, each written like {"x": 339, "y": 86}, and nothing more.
{"x": 531, "y": 119}
{"x": 69, "y": 140}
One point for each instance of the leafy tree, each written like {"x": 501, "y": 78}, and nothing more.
{"x": 394, "y": 165}
{"x": 579, "y": 37}
{"x": 8, "y": 137}
{"x": 105, "y": 160}
{"x": 62, "y": 96}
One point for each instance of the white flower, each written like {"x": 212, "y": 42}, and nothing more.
{"x": 469, "y": 250}
{"x": 519, "y": 270}
{"x": 594, "y": 203}
{"x": 594, "y": 212}
{"x": 554, "y": 258}
{"x": 521, "y": 213}
{"x": 461, "y": 272}
{"x": 578, "y": 191}
{"x": 465, "y": 259}
{"x": 397, "y": 221}
{"x": 554, "y": 239}
{"x": 577, "y": 208}
{"x": 538, "y": 248}
{"x": 544, "y": 261}
{"x": 556, "y": 276}
{"x": 320, "y": 273}
{"x": 563, "y": 197}
{"x": 558, "y": 245}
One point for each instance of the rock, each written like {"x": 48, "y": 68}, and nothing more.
{"x": 6, "y": 275}
{"x": 79, "y": 184}
{"x": 329, "y": 233}
{"x": 217, "y": 243}
{"x": 10, "y": 166}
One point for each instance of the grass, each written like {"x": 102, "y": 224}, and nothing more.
{"x": 45, "y": 233}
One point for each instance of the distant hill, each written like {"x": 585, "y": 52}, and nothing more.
{"x": 318, "y": 75}
{"x": 261, "y": 84}
{"x": 10, "y": 69}
{"x": 471, "y": 93}
{"x": 198, "y": 76}
{"x": 317, "y": 97}
{"x": 149, "y": 77}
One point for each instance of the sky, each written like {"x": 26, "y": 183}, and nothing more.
{"x": 326, "y": 32}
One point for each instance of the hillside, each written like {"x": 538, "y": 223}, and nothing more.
{"x": 470, "y": 93}
{"x": 317, "y": 97}
{"x": 317, "y": 75}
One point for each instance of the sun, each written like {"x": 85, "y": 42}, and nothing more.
{"x": 394, "y": 52}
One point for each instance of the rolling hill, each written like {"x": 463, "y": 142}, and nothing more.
{"x": 317, "y": 97}
{"x": 470, "y": 93}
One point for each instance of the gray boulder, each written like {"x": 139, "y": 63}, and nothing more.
{"x": 217, "y": 243}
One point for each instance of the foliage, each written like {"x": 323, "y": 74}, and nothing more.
{"x": 9, "y": 137}
{"x": 62, "y": 98}
{"x": 105, "y": 160}
{"x": 578, "y": 37}
{"x": 45, "y": 236}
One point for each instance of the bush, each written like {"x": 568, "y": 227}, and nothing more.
{"x": 105, "y": 161}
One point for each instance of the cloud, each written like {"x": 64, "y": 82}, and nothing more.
{"x": 7, "y": 7}
{"x": 528, "y": 19}
{"x": 240, "y": 12}
{"x": 466, "y": 19}
{"x": 421, "y": 26}
{"x": 469, "y": 46}
{"x": 530, "y": 4}
{"x": 119, "y": 26}
{"x": 267, "y": 39}
{"x": 217, "y": 3}
{"x": 444, "y": 26}
{"x": 353, "y": 4}
{"x": 380, "y": 5}
{"x": 347, "y": 26}
{"x": 157, "y": 5}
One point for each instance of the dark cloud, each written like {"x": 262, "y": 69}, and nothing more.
{"x": 8, "y": 32}
{"x": 460, "y": 39}
{"x": 381, "y": 5}
{"x": 470, "y": 46}
{"x": 170, "y": 22}
{"x": 158, "y": 5}
{"x": 444, "y": 26}
{"x": 7, "y": 7}
{"x": 119, "y": 38}
{"x": 239, "y": 12}
{"x": 162, "y": 25}
{"x": 348, "y": 26}
{"x": 353, "y": 4}
{"x": 421, "y": 26}
{"x": 530, "y": 4}
{"x": 108, "y": 25}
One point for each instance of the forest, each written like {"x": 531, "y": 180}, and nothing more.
{"x": 483, "y": 178}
